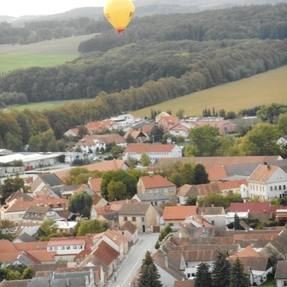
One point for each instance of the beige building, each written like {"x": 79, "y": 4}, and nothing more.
{"x": 155, "y": 184}
{"x": 144, "y": 216}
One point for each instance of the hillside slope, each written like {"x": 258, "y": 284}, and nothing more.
{"x": 41, "y": 54}
{"x": 265, "y": 88}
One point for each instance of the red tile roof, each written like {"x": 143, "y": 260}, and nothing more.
{"x": 91, "y": 140}
{"x": 107, "y": 165}
{"x": 204, "y": 189}
{"x": 37, "y": 251}
{"x": 179, "y": 212}
{"x": 95, "y": 184}
{"x": 75, "y": 131}
{"x": 179, "y": 127}
{"x": 110, "y": 138}
{"x": 42, "y": 255}
{"x": 252, "y": 207}
{"x": 28, "y": 246}
{"x": 148, "y": 148}
{"x": 66, "y": 241}
{"x": 105, "y": 253}
{"x": 116, "y": 237}
{"x": 155, "y": 181}
{"x": 246, "y": 252}
{"x": 7, "y": 246}
{"x": 216, "y": 165}
{"x": 224, "y": 126}
{"x": 22, "y": 204}
{"x": 263, "y": 172}
{"x": 99, "y": 126}
{"x": 234, "y": 184}
{"x": 103, "y": 166}
{"x": 185, "y": 283}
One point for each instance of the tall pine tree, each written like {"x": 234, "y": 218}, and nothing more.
{"x": 200, "y": 174}
{"x": 237, "y": 225}
{"x": 237, "y": 276}
{"x": 203, "y": 276}
{"x": 221, "y": 271}
{"x": 149, "y": 276}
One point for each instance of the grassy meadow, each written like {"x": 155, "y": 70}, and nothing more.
{"x": 46, "y": 105}
{"x": 266, "y": 88}
{"x": 43, "y": 54}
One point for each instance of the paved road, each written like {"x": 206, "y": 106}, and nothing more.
{"x": 132, "y": 262}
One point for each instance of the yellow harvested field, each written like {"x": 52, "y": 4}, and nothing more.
{"x": 266, "y": 88}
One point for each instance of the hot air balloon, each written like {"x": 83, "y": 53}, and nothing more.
{"x": 119, "y": 13}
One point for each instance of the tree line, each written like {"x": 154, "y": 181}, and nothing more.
{"x": 143, "y": 68}
{"x": 37, "y": 31}
{"x": 264, "y": 22}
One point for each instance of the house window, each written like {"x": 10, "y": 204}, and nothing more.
{"x": 125, "y": 218}
{"x": 271, "y": 188}
{"x": 275, "y": 187}
{"x": 134, "y": 218}
{"x": 279, "y": 187}
{"x": 142, "y": 219}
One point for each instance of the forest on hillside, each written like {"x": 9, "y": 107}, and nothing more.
{"x": 37, "y": 31}
{"x": 195, "y": 51}
{"x": 263, "y": 22}
{"x": 170, "y": 61}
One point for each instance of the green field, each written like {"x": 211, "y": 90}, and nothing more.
{"x": 42, "y": 54}
{"x": 46, "y": 105}
{"x": 266, "y": 88}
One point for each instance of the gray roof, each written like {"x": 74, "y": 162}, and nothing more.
{"x": 244, "y": 170}
{"x": 111, "y": 216}
{"x": 24, "y": 237}
{"x": 36, "y": 213}
{"x": 154, "y": 197}
{"x": 281, "y": 163}
{"x": 63, "y": 279}
{"x": 280, "y": 242}
{"x": 169, "y": 264}
{"x": 281, "y": 271}
{"x": 254, "y": 263}
{"x": 26, "y": 260}
{"x": 134, "y": 209}
{"x": 51, "y": 179}
{"x": 15, "y": 283}
{"x": 211, "y": 210}
{"x": 59, "y": 190}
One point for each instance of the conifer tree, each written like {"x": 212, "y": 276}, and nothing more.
{"x": 237, "y": 276}
{"x": 200, "y": 174}
{"x": 237, "y": 225}
{"x": 203, "y": 276}
{"x": 149, "y": 276}
{"x": 221, "y": 271}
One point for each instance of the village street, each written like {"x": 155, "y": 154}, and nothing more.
{"x": 133, "y": 260}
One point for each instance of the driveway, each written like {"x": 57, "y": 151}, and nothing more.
{"x": 128, "y": 268}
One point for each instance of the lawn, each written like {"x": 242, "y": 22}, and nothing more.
{"x": 42, "y": 54}
{"x": 269, "y": 284}
{"x": 266, "y": 88}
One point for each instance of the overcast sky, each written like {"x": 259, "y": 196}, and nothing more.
{"x": 40, "y": 7}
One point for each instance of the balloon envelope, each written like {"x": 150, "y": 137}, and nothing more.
{"x": 119, "y": 13}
